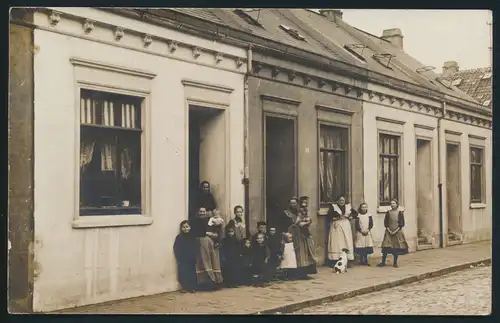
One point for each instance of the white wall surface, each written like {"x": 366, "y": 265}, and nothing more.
{"x": 407, "y": 198}
{"x": 90, "y": 265}
{"x": 476, "y": 220}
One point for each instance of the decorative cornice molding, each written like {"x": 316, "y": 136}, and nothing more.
{"x": 321, "y": 83}
{"x": 390, "y": 120}
{"x": 451, "y": 132}
{"x": 280, "y": 99}
{"x": 306, "y": 78}
{"x": 218, "y": 57}
{"x": 291, "y": 76}
{"x": 112, "y": 68}
{"x": 209, "y": 86}
{"x": 54, "y": 18}
{"x": 88, "y": 26}
{"x": 275, "y": 72}
{"x": 334, "y": 109}
{"x": 172, "y": 46}
{"x": 196, "y": 52}
{"x": 477, "y": 137}
{"x": 119, "y": 33}
{"x": 422, "y": 126}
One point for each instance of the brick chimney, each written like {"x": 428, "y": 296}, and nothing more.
{"x": 394, "y": 36}
{"x": 332, "y": 14}
{"x": 450, "y": 68}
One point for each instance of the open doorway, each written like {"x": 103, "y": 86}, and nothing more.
{"x": 280, "y": 165}
{"x": 207, "y": 154}
{"x": 453, "y": 188}
{"x": 425, "y": 207}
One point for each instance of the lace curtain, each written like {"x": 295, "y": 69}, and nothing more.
{"x": 108, "y": 159}
{"x": 86, "y": 153}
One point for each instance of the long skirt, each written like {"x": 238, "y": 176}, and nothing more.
{"x": 340, "y": 237}
{"x": 363, "y": 244}
{"x": 208, "y": 268}
{"x": 394, "y": 244}
{"x": 186, "y": 273}
{"x": 304, "y": 251}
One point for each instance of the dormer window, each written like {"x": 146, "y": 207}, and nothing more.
{"x": 293, "y": 32}
{"x": 356, "y": 50}
{"x": 384, "y": 59}
{"x": 486, "y": 103}
{"x": 456, "y": 82}
{"x": 486, "y": 76}
{"x": 248, "y": 17}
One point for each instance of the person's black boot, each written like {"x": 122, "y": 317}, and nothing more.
{"x": 384, "y": 257}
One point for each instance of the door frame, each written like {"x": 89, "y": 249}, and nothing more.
{"x": 459, "y": 147}
{"x": 430, "y": 140}
{"x": 294, "y": 118}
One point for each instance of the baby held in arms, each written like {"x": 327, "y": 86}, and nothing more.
{"x": 216, "y": 224}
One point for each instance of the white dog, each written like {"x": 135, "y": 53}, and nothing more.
{"x": 341, "y": 265}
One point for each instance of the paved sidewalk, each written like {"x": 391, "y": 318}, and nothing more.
{"x": 290, "y": 296}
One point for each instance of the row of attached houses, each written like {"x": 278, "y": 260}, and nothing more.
{"x": 116, "y": 115}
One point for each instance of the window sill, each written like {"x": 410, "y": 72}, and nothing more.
{"x": 385, "y": 208}
{"x": 478, "y": 205}
{"x": 104, "y": 221}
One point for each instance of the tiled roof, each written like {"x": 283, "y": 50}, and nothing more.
{"x": 476, "y": 83}
{"x": 329, "y": 39}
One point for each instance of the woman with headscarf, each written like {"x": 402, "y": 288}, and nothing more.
{"x": 208, "y": 267}
{"x": 205, "y": 198}
{"x": 303, "y": 242}
{"x": 340, "y": 231}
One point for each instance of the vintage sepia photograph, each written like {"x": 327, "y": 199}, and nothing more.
{"x": 252, "y": 161}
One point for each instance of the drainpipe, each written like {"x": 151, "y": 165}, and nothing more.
{"x": 246, "y": 134}
{"x": 440, "y": 184}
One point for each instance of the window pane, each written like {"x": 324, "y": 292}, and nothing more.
{"x": 393, "y": 171}
{"x": 473, "y": 155}
{"x": 386, "y": 195}
{"x": 380, "y": 179}
{"x": 476, "y": 182}
{"x": 110, "y": 158}
{"x": 333, "y": 138}
{"x": 386, "y": 145}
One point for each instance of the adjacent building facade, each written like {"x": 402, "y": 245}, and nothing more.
{"x": 135, "y": 107}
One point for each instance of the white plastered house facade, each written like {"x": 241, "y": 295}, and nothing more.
{"x": 411, "y": 144}
{"x": 99, "y": 73}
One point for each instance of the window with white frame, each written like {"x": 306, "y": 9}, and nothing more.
{"x": 110, "y": 153}
{"x": 476, "y": 174}
{"x": 333, "y": 173}
{"x": 389, "y": 167}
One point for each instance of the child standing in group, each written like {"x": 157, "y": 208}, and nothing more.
{"x": 260, "y": 260}
{"x": 185, "y": 254}
{"x": 274, "y": 244}
{"x": 289, "y": 259}
{"x": 246, "y": 254}
{"x": 364, "y": 241}
{"x": 261, "y": 229}
{"x": 231, "y": 255}
{"x": 394, "y": 239}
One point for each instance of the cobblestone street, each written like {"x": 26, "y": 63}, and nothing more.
{"x": 467, "y": 292}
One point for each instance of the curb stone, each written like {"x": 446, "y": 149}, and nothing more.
{"x": 292, "y": 307}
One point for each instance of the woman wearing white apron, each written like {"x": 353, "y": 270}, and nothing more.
{"x": 340, "y": 233}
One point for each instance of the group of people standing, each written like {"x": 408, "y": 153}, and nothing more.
{"x": 211, "y": 254}
{"x": 350, "y": 230}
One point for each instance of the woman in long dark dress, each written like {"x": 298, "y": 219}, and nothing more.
{"x": 394, "y": 239}
{"x": 205, "y": 198}
{"x": 185, "y": 248}
{"x": 208, "y": 268}
{"x": 232, "y": 264}
{"x": 303, "y": 242}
